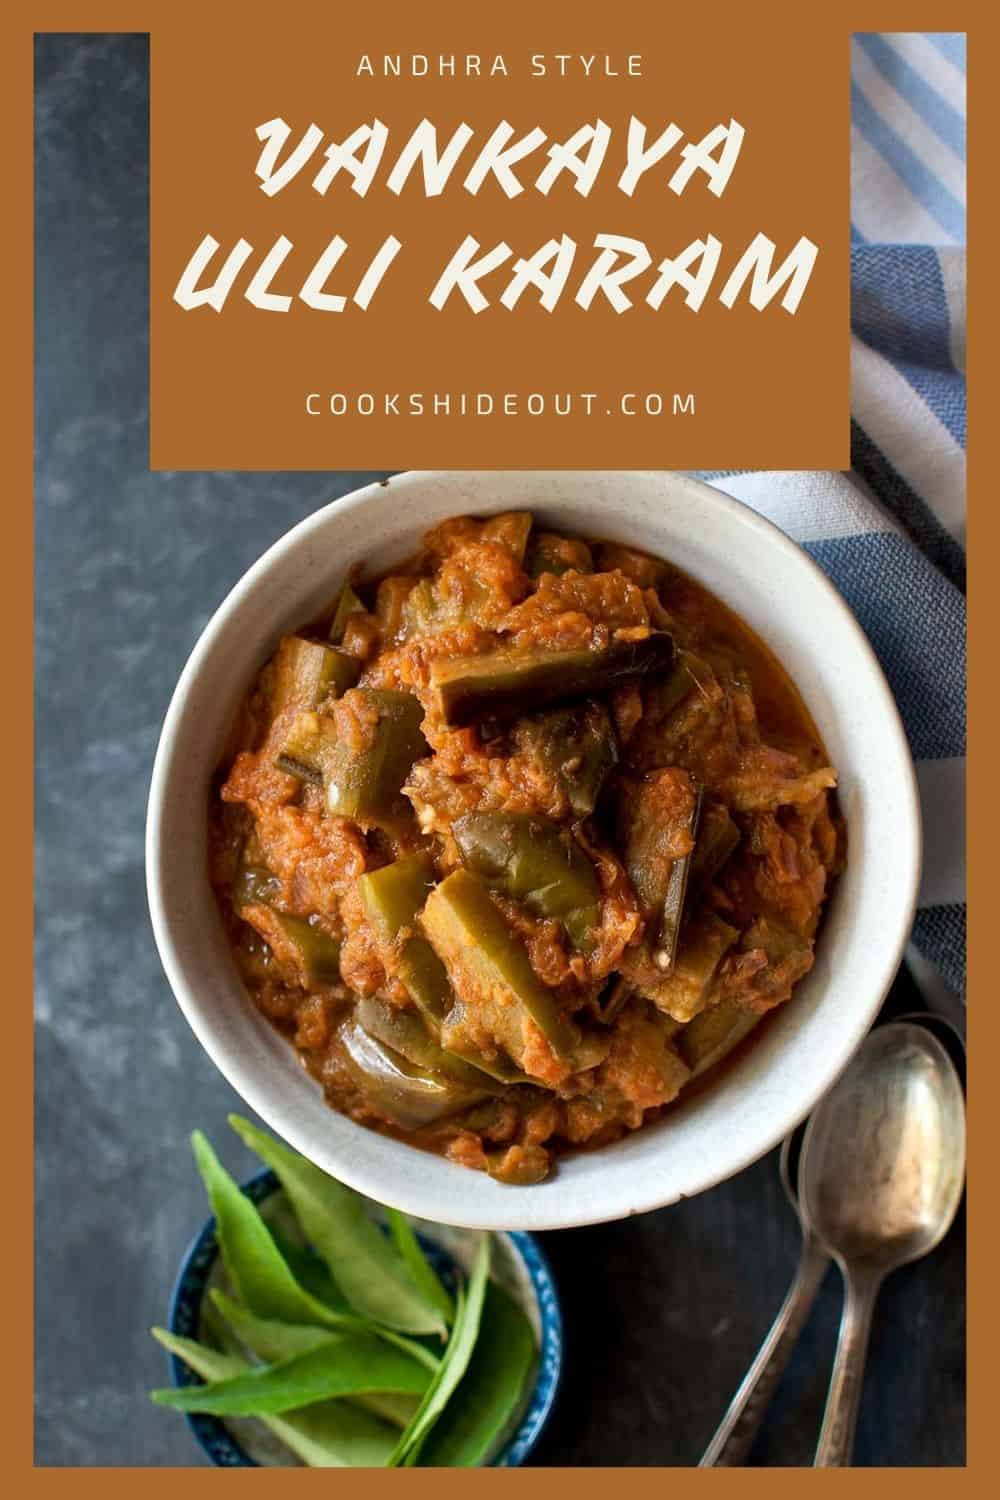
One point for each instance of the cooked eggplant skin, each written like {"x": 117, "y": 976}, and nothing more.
{"x": 657, "y": 825}
{"x": 390, "y": 607}
{"x": 318, "y": 952}
{"x": 674, "y": 897}
{"x": 718, "y": 839}
{"x": 404, "y": 1032}
{"x": 308, "y": 747}
{"x": 364, "y": 781}
{"x": 710, "y": 1036}
{"x": 306, "y": 672}
{"x": 687, "y": 988}
{"x": 507, "y": 683}
{"x": 490, "y": 970}
{"x": 401, "y": 1091}
{"x": 393, "y": 897}
{"x": 535, "y": 861}
{"x": 577, "y": 746}
{"x": 347, "y": 605}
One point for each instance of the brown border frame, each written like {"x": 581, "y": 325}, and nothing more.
{"x": 18, "y": 22}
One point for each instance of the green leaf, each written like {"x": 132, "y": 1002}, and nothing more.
{"x": 253, "y": 1260}
{"x": 399, "y": 1410}
{"x": 363, "y": 1262}
{"x": 269, "y": 1339}
{"x": 272, "y": 1341}
{"x": 423, "y": 1273}
{"x": 333, "y": 1434}
{"x": 491, "y": 1390}
{"x": 454, "y": 1363}
{"x": 310, "y": 1273}
{"x": 343, "y": 1366}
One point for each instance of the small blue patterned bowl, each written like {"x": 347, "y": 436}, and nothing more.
{"x": 519, "y": 1263}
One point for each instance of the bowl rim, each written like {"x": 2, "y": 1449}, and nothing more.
{"x": 646, "y": 1197}
{"x": 226, "y": 1451}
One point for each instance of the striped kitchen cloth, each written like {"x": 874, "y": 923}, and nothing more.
{"x": 891, "y": 533}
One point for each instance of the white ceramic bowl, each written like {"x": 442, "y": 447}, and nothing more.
{"x": 776, "y": 588}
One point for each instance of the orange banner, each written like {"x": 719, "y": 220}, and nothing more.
{"x": 429, "y": 238}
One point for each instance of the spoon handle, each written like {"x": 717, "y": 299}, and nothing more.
{"x": 738, "y": 1428}
{"x": 836, "y": 1439}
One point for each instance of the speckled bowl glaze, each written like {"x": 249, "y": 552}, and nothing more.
{"x": 757, "y": 1099}
{"x": 519, "y": 1263}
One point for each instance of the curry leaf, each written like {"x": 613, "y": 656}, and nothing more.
{"x": 343, "y": 1366}
{"x": 254, "y": 1262}
{"x": 310, "y": 1273}
{"x": 269, "y": 1339}
{"x": 363, "y": 1262}
{"x": 333, "y": 1434}
{"x": 423, "y": 1273}
{"x": 273, "y": 1341}
{"x": 454, "y": 1362}
{"x": 490, "y": 1390}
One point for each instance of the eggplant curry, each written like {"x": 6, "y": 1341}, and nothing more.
{"x": 519, "y": 840}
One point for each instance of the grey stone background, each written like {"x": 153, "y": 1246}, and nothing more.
{"x": 663, "y": 1312}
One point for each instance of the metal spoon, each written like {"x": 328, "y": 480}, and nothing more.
{"x": 735, "y": 1434}
{"x": 880, "y": 1180}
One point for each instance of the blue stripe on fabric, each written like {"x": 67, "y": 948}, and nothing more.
{"x": 951, "y": 45}
{"x": 940, "y": 934}
{"x": 915, "y": 621}
{"x": 945, "y": 121}
{"x": 943, "y": 391}
{"x": 910, "y": 509}
{"x": 920, "y": 180}
{"x": 899, "y": 304}
{"x": 899, "y": 307}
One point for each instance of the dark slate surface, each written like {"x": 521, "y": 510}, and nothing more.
{"x": 664, "y": 1312}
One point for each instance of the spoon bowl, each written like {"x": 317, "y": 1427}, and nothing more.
{"x": 883, "y": 1159}
{"x": 880, "y": 1180}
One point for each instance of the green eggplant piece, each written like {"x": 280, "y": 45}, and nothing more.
{"x": 577, "y": 746}
{"x": 507, "y": 683}
{"x": 707, "y": 1038}
{"x": 402, "y": 1092}
{"x": 366, "y": 784}
{"x": 535, "y": 861}
{"x": 308, "y": 747}
{"x": 306, "y": 672}
{"x": 347, "y": 605}
{"x": 404, "y": 1032}
{"x": 718, "y": 839}
{"x": 361, "y": 783}
{"x": 656, "y": 812}
{"x": 390, "y": 607}
{"x": 319, "y": 953}
{"x": 490, "y": 972}
{"x": 673, "y": 899}
{"x": 686, "y": 989}
{"x": 393, "y": 898}
{"x": 612, "y": 999}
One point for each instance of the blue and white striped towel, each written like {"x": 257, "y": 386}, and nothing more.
{"x": 891, "y": 533}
